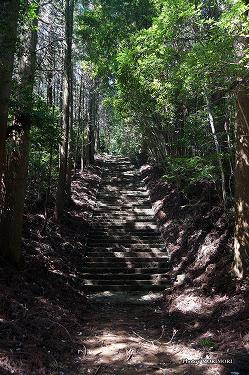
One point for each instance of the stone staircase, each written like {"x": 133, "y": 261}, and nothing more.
{"x": 125, "y": 251}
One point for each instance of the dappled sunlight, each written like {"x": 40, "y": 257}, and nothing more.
{"x": 105, "y": 268}
{"x": 129, "y": 329}
{"x": 132, "y": 346}
{"x": 7, "y": 367}
{"x": 124, "y": 248}
{"x": 190, "y": 302}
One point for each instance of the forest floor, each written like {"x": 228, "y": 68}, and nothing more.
{"x": 48, "y": 326}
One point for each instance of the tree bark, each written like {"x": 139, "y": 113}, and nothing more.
{"x": 17, "y": 162}
{"x": 91, "y": 127}
{"x": 241, "y": 243}
{"x": 83, "y": 161}
{"x": 49, "y": 177}
{"x": 9, "y": 10}
{"x": 70, "y": 143}
{"x": 217, "y": 149}
{"x": 79, "y": 125}
{"x": 61, "y": 195}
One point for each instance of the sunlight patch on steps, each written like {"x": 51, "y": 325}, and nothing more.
{"x": 122, "y": 297}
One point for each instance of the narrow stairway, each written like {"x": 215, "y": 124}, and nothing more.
{"x": 125, "y": 251}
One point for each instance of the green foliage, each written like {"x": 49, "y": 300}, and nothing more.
{"x": 184, "y": 170}
{"x": 105, "y": 27}
{"x": 45, "y": 131}
{"x": 165, "y": 70}
{"x": 29, "y": 12}
{"x": 125, "y": 140}
{"x": 45, "y": 135}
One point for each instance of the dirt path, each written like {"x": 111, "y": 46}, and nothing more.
{"x": 49, "y": 327}
{"x": 127, "y": 329}
{"x": 125, "y": 335}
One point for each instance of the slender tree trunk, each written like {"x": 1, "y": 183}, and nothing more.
{"x": 217, "y": 149}
{"x": 50, "y": 101}
{"x": 241, "y": 244}
{"x": 83, "y": 122}
{"x": 97, "y": 124}
{"x": 91, "y": 126}
{"x": 17, "y": 166}
{"x": 70, "y": 145}
{"x": 50, "y": 89}
{"x": 44, "y": 227}
{"x": 61, "y": 195}
{"x": 79, "y": 125}
{"x": 9, "y": 10}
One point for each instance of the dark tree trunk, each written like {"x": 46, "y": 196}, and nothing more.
{"x": 17, "y": 165}
{"x": 9, "y": 10}
{"x": 91, "y": 126}
{"x": 61, "y": 195}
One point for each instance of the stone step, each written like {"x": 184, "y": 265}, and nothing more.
{"x": 143, "y": 193}
{"x": 133, "y": 212}
{"x": 118, "y": 247}
{"x": 117, "y": 166}
{"x": 124, "y": 227}
{"x": 139, "y": 191}
{"x": 128, "y": 214}
{"x": 134, "y": 224}
{"x": 119, "y": 216}
{"x": 107, "y": 208}
{"x": 124, "y": 264}
{"x": 128, "y": 259}
{"x": 119, "y": 169}
{"x": 123, "y": 202}
{"x": 124, "y": 237}
{"x": 121, "y": 228}
{"x": 118, "y": 184}
{"x": 122, "y": 178}
{"x": 125, "y": 281}
{"x": 115, "y": 269}
{"x": 124, "y": 254}
{"x": 124, "y": 231}
{"x": 128, "y": 239}
{"x": 117, "y": 227}
{"x": 125, "y": 246}
{"x": 117, "y": 174}
{"x": 126, "y": 288}
{"x": 125, "y": 251}
{"x": 126, "y": 195}
{"x": 124, "y": 276}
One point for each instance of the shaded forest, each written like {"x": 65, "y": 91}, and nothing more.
{"x": 162, "y": 83}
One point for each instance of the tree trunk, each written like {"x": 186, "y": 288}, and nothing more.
{"x": 91, "y": 126}
{"x": 44, "y": 227}
{"x": 9, "y": 10}
{"x": 17, "y": 164}
{"x": 84, "y": 122}
{"x": 217, "y": 149}
{"x": 241, "y": 243}
{"x": 79, "y": 125}
{"x": 49, "y": 177}
{"x": 61, "y": 195}
{"x": 70, "y": 143}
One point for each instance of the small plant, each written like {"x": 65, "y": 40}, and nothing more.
{"x": 207, "y": 343}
